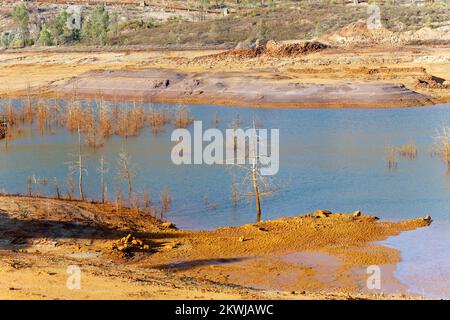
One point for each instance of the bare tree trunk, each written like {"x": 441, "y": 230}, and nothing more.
{"x": 126, "y": 171}
{"x": 257, "y": 198}
{"x": 80, "y": 165}
{"x": 254, "y": 177}
{"x": 102, "y": 179}
{"x": 129, "y": 186}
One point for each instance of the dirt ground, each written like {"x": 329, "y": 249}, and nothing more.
{"x": 313, "y": 256}
{"x": 333, "y": 77}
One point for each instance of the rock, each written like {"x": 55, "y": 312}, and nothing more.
{"x": 166, "y": 83}
{"x": 241, "y": 239}
{"x": 357, "y": 213}
{"x": 168, "y": 225}
{"x": 322, "y": 213}
{"x": 129, "y": 244}
{"x": 161, "y": 84}
{"x": 427, "y": 219}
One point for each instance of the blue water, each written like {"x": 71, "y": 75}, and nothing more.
{"x": 329, "y": 159}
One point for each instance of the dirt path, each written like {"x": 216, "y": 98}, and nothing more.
{"x": 304, "y": 257}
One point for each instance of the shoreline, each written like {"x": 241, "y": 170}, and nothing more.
{"x": 256, "y": 261}
{"x": 168, "y": 86}
{"x": 331, "y": 78}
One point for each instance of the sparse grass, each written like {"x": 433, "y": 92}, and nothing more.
{"x": 165, "y": 202}
{"x": 391, "y": 157}
{"x": 97, "y": 121}
{"x": 183, "y": 118}
{"x": 408, "y": 151}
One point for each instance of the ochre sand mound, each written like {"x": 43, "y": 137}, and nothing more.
{"x": 333, "y": 77}
{"x": 302, "y": 257}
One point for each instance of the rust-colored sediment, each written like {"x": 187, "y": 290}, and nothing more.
{"x": 307, "y": 254}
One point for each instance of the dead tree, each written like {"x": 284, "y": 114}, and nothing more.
{"x": 80, "y": 165}
{"x": 102, "y": 170}
{"x": 442, "y": 145}
{"x": 126, "y": 170}
{"x": 77, "y": 166}
{"x": 251, "y": 183}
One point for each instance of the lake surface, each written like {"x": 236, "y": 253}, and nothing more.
{"x": 329, "y": 159}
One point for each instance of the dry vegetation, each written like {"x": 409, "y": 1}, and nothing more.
{"x": 93, "y": 124}
{"x": 247, "y": 21}
{"x": 442, "y": 145}
{"x": 98, "y": 120}
{"x": 407, "y": 151}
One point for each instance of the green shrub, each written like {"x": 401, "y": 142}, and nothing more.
{"x": 60, "y": 32}
{"x": 21, "y": 17}
{"x": 17, "y": 43}
{"x": 6, "y": 39}
{"x": 95, "y": 29}
{"x": 45, "y": 37}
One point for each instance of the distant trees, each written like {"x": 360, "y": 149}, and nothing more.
{"x": 97, "y": 26}
{"x": 21, "y": 18}
{"x": 60, "y": 31}
{"x": 126, "y": 170}
{"x": 45, "y": 37}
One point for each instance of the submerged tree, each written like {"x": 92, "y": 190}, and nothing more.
{"x": 21, "y": 19}
{"x": 126, "y": 170}
{"x": 77, "y": 166}
{"x": 102, "y": 170}
{"x": 248, "y": 179}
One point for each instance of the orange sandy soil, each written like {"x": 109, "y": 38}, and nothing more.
{"x": 302, "y": 257}
{"x": 57, "y": 71}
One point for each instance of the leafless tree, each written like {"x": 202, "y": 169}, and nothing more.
{"x": 247, "y": 180}
{"x": 126, "y": 170}
{"x": 442, "y": 145}
{"x": 56, "y": 185}
{"x": 102, "y": 170}
{"x": 165, "y": 202}
{"x": 77, "y": 166}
